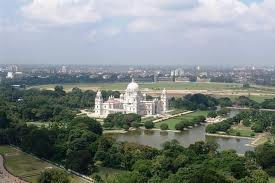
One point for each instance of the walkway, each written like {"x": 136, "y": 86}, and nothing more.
{"x": 172, "y": 116}
{"x": 247, "y": 108}
{"x": 5, "y": 176}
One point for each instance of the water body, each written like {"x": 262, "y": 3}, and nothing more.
{"x": 185, "y": 138}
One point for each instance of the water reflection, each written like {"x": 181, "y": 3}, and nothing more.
{"x": 185, "y": 138}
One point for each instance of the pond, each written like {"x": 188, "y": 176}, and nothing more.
{"x": 157, "y": 138}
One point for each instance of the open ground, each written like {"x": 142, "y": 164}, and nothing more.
{"x": 231, "y": 90}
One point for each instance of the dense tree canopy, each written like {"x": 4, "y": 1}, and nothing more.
{"x": 53, "y": 176}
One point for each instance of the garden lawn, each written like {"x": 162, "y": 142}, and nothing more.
{"x": 243, "y": 130}
{"x": 173, "y": 121}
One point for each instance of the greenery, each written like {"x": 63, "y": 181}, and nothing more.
{"x": 77, "y": 143}
{"x": 185, "y": 123}
{"x": 149, "y": 125}
{"x": 53, "y": 176}
{"x": 259, "y": 121}
{"x": 200, "y": 163}
{"x": 265, "y": 156}
{"x": 27, "y": 166}
{"x": 119, "y": 120}
{"x": 212, "y": 114}
{"x": 223, "y": 112}
{"x": 173, "y": 121}
{"x": 222, "y": 126}
{"x": 194, "y": 102}
{"x": 164, "y": 126}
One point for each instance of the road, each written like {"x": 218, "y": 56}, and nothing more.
{"x": 5, "y": 176}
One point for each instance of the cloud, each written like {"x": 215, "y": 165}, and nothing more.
{"x": 155, "y": 15}
{"x": 61, "y": 11}
{"x": 142, "y": 25}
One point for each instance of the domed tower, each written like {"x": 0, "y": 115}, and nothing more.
{"x": 132, "y": 92}
{"x": 164, "y": 100}
{"x": 99, "y": 103}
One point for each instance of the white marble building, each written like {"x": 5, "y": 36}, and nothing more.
{"x": 132, "y": 101}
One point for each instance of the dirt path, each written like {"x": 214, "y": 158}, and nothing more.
{"x": 5, "y": 176}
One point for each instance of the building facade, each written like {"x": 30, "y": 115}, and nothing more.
{"x": 132, "y": 101}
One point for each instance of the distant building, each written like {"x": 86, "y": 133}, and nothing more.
{"x": 132, "y": 101}
{"x": 64, "y": 69}
{"x": 10, "y": 75}
{"x": 182, "y": 79}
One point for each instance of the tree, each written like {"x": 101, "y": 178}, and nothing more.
{"x": 53, "y": 176}
{"x": 79, "y": 161}
{"x": 4, "y": 122}
{"x": 149, "y": 125}
{"x": 212, "y": 114}
{"x": 164, "y": 126}
{"x": 87, "y": 123}
{"x": 265, "y": 156}
{"x": 223, "y": 111}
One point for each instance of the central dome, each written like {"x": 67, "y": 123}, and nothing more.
{"x": 133, "y": 86}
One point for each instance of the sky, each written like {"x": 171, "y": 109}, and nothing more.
{"x": 138, "y": 32}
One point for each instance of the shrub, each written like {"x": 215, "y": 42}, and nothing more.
{"x": 164, "y": 126}
{"x": 212, "y": 114}
{"x": 149, "y": 125}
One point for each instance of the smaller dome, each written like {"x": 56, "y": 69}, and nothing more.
{"x": 98, "y": 94}
{"x": 133, "y": 86}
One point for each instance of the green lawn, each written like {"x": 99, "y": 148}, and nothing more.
{"x": 261, "y": 98}
{"x": 173, "y": 121}
{"x": 272, "y": 179}
{"x": 26, "y": 166}
{"x": 243, "y": 130}
{"x": 155, "y": 86}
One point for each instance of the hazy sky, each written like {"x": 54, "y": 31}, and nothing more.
{"x": 138, "y": 31}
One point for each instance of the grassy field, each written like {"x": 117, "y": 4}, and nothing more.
{"x": 173, "y": 121}
{"x": 154, "y": 86}
{"x": 244, "y": 131}
{"x": 261, "y": 98}
{"x": 272, "y": 179}
{"x": 26, "y": 166}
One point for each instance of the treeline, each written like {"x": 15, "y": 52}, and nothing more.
{"x": 76, "y": 146}
{"x": 259, "y": 121}
{"x": 80, "y": 147}
{"x": 47, "y": 105}
{"x": 186, "y": 123}
{"x": 223, "y": 126}
{"x": 124, "y": 121}
{"x": 200, "y": 163}
{"x": 62, "y": 78}
{"x": 194, "y": 102}
{"x": 205, "y": 102}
